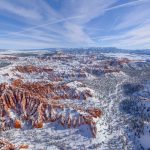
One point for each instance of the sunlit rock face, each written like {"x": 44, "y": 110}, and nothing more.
{"x": 26, "y": 105}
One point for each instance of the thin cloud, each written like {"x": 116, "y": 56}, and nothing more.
{"x": 74, "y": 23}
{"x": 49, "y": 23}
{"x": 13, "y": 9}
{"x": 129, "y": 4}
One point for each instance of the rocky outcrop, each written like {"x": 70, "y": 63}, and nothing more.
{"x": 51, "y": 73}
{"x": 12, "y": 58}
{"x": 26, "y": 104}
{"x": 108, "y": 66}
{"x": 5, "y": 145}
{"x": 52, "y": 91}
{"x": 32, "y": 69}
{"x": 23, "y": 147}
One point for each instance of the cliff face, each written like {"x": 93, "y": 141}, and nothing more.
{"x": 52, "y": 91}
{"x": 32, "y": 69}
{"x": 27, "y": 104}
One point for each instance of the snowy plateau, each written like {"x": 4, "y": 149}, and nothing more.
{"x": 77, "y": 99}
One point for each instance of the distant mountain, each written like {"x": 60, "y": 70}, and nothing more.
{"x": 90, "y": 50}
{"x": 145, "y": 51}
{"x": 105, "y": 50}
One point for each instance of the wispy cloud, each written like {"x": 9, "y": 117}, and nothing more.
{"x": 138, "y": 37}
{"x": 128, "y": 4}
{"x": 135, "y": 16}
{"x": 51, "y": 23}
{"x": 11, "y": 8}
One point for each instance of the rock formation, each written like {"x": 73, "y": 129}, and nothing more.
{"x": 5, "y": 145}
{"x": 28, "y": 104}
{"x": 32, "y": 69}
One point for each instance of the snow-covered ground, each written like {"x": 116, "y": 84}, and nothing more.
{"x": 130, "y": 56}
{"x": 114, "y": 127}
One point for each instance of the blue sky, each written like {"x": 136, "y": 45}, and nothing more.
{"x": 31, "y": 24}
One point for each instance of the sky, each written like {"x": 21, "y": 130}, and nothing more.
{"x": 28, "y": 24}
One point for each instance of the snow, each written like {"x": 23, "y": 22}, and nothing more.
{"x": 145, "y": 139}
{"x": 112, "y": 127}
{"x": 129, "y": 56}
